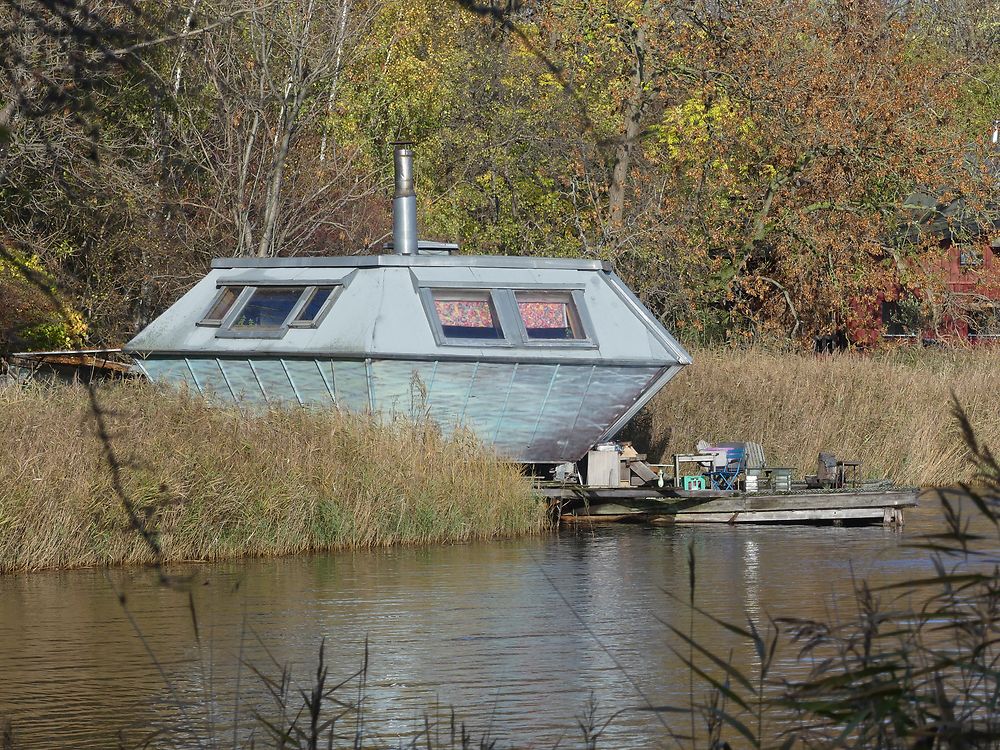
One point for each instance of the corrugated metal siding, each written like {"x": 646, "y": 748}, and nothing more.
{"x": 529, "y": 412}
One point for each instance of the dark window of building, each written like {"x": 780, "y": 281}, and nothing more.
{"x": 970, "y": 256}
{"x": 985, "y": 323}
{"x": 894, "y": 320}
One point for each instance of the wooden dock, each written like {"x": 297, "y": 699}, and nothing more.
{"x": 579, "y": 504}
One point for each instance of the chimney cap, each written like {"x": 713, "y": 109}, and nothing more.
{"x": 428, "y": 247}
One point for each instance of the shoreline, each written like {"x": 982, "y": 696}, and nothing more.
{"x": 213, "y": 484}
{"x": 217, "y": 484}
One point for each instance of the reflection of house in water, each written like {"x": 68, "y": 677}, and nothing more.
{"x": 540, "y": 357}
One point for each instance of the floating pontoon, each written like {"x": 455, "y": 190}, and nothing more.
{"x": 540, "y": 357}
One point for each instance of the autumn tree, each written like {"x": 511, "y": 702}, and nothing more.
{"x": 835, "y": 115}
{"x": 256, "y": 98}
{"x": 76, "y": 172}
{"x": 746, "y": 162}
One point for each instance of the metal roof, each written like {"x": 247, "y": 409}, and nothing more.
{"x": 380, "y": 311}
{"x": 375, "y": 261}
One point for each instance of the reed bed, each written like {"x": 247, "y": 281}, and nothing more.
{"x": 891, "y": 411}
{"x": 212, "y": 483}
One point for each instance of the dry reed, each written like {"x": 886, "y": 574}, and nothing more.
{"x": 213, "y": 483}
{"x": 891, "y": 411}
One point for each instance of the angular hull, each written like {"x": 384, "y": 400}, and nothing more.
{"x": 529, "y": 411}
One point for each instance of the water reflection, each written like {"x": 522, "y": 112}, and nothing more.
{"x": 517, "y": 636}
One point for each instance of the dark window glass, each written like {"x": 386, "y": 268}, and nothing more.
{"x": 969, "y": 256}
{"x": 549, "y": 315}
{"x": 225, "y": 301}
{"x": 268, "y": 308}
{"x": 314, "y": 305}
{"x": 985, "y": 323}
{"x": 894, "y": 320}
{"x": 467, "y": 315}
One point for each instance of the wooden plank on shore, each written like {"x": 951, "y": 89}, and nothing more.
{"x": 717, "y": 501}
{"x": 886, "y": 516}
{"x": 592, "y": 494}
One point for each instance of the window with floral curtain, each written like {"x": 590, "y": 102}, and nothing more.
{"x": 467, "y": 315}
{"x": 549, "y": 315}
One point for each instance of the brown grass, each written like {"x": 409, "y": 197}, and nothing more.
{"x": 892, "y": 411}
{"x": 215, "y": 484}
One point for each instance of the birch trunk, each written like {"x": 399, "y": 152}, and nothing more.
{"x": 345, "y": 8}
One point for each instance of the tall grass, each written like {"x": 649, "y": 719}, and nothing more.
{"x": 212, "y": 483}
{"x": 889, "y": 411}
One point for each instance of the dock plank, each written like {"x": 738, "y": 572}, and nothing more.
{"x": 628, "y": 504}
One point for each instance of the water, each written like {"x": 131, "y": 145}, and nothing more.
{"x": 518, "y": 637}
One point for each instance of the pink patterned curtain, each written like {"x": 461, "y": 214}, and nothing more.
{"x": 464, "y": 313}
{"x": 544, "y": 314}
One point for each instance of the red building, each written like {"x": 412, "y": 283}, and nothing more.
{"x": 955, "y": 292}
{"x": 959, "y": 300}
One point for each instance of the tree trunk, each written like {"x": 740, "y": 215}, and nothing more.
{"x": 345, "y": 7}
{"x": 179, "y": 65}
{"x": 632, "y": 127}
{"x": 291, "y": 108}
{"x": 244, "y": 240}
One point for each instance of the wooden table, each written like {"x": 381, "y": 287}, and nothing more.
{"x": 690, "y": 458}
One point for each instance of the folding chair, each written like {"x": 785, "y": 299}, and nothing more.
{"x": 725, "y": 477}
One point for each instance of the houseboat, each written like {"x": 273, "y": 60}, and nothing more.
{"x": 541, "y": 358}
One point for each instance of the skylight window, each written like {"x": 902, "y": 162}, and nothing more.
{"x": 467, "y": 314}
{"x": 314, "y": 306}
{"x": 268, "y": 308}
{"x": 223, "y": 303}
{"x": 267, "y": 311}
{"x": 550, "y": 315}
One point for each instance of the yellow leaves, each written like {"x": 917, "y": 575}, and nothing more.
{"x": 20, "y": 265}
{"x": 74, "y": 326}
{"x": 548, "y": 80}
{"x": 687, "y": 129}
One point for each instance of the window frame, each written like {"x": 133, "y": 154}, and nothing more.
{"x": 504, "y": 302}
{"x": 430, "y": 310}
{"x": 975, "y": 325}
{"x": 892, "y": 306}
{"x": 226, "y": 326}
{"x": 220, "y": 291}
{"x": 970, "y": 256}
{"x": 576, "y": 298}
{"x": 308, "y": 294}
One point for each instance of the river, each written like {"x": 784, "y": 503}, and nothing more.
{"x": 519, "y": 637}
